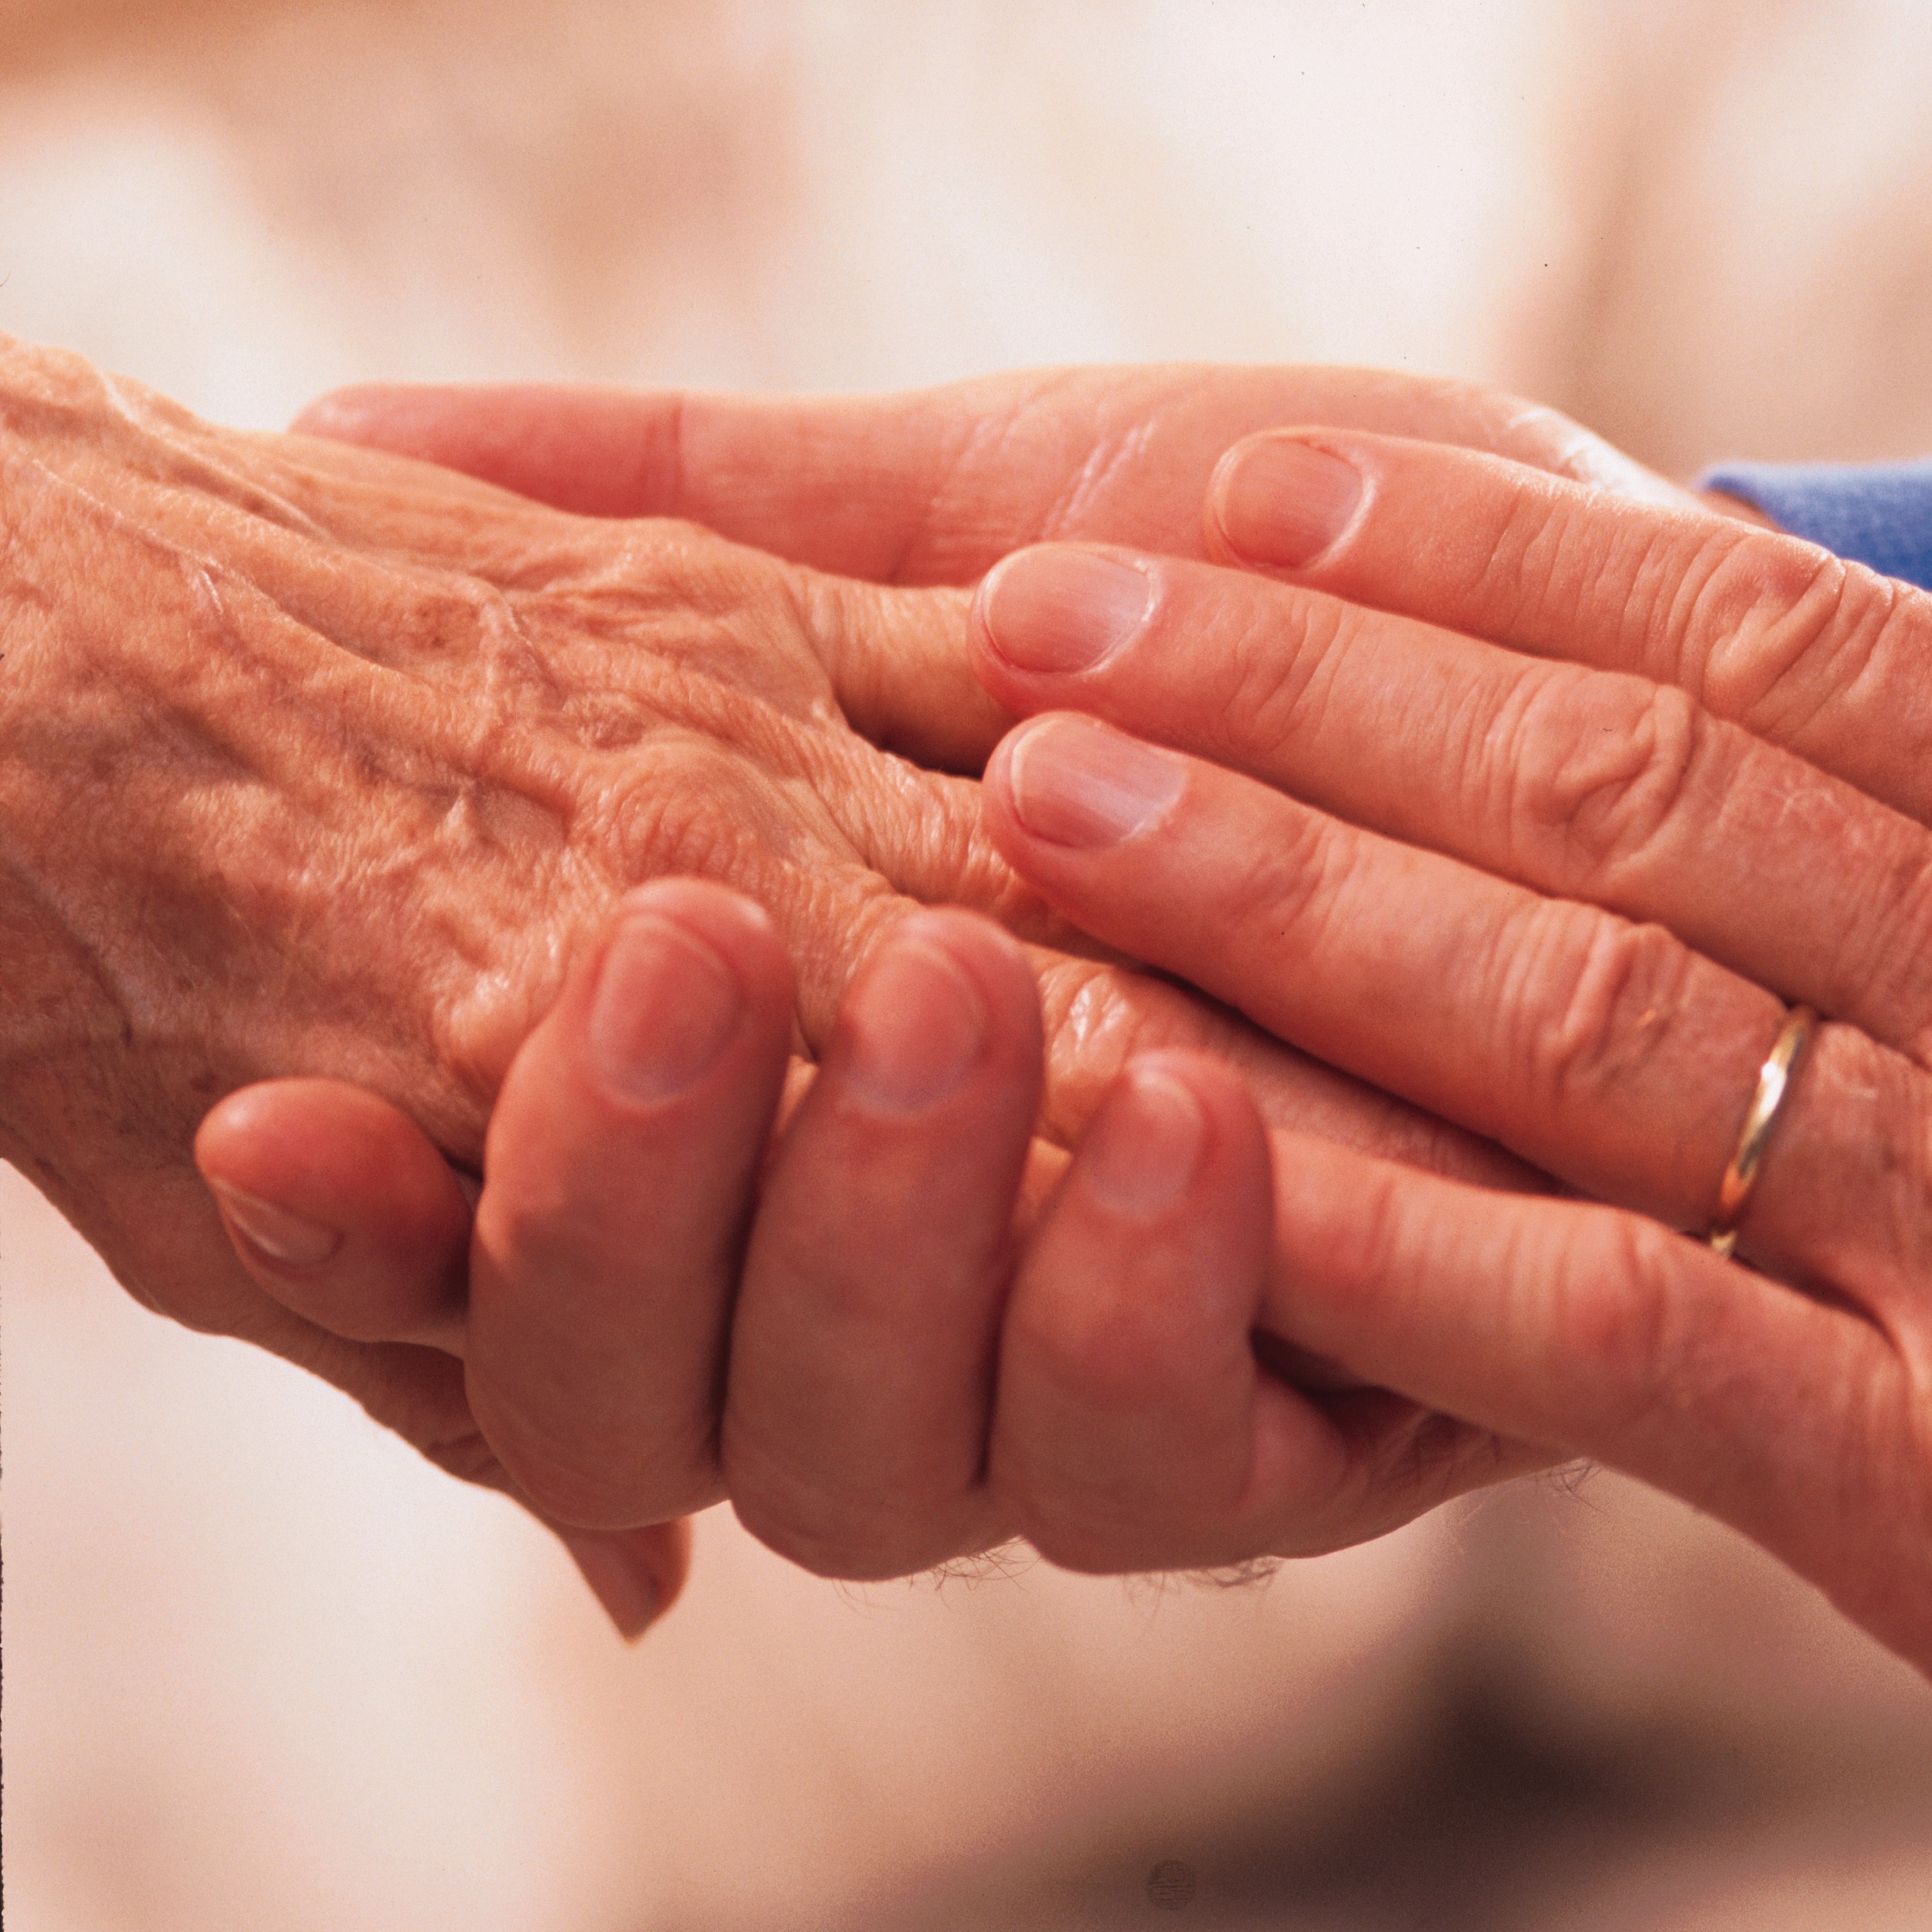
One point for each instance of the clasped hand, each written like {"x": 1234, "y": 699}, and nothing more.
{"x": 1531, "y": 803}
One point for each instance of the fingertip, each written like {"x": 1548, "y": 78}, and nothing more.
{"x": 1160, "y": 1232}
{"x": 1143, "y": 1149}
{"x": 698, "y": 898}
{"x": 984, "y": 950}
{"x": 990, "y": 669}
{"x": 348, "y": 414}
{"x": 1283, "y": 501}
{"x": 313, "y": 1144}
{"x": 635, "y": 1575}
{"x": 1003, "y": 784}
{"x": 1212, "y": 524}
{"x": 338, "y": 1206}
{"x": 266, "y": 1234}
{"x": 1175, "y": 1129}
{"x": 1124, "y": 1437}
{"x": 687, "y": 979}
{"x": 940, "y": 1030}
{"x": 732, "y": 923}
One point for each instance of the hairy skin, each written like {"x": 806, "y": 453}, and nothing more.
{"x": 316, "y": 760}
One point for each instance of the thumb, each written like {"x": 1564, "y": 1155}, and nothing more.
{"x": 898, "y": 659}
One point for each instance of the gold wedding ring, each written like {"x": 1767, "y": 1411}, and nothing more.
{"x": 1774, "y": 1080}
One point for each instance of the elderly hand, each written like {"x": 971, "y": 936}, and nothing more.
{"x": 316, "y": 762}
{"x": 930, "y": 487}
{"x": 1546, "y": 844}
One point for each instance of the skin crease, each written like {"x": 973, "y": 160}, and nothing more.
{"x": 317, "y": 762}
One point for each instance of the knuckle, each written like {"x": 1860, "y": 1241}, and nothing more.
{"x": 1617, "y": 1326}
{"x": 1593, "y": 770}
{"x": 1354, "y": 1241}
{"x": 469, "y": 1458}
{"x": 1885, "y": 953}
{"x": 584, "y": 1498}
{"x": 1095, "y": 1017}
{"x": 1090, "y": 1543}
{"x": 1843, "y": 1197}
{"x": 1427, "y": 1459}
{"x": 1085, "y": 1522}
{"x": 1092, "y": 1014}
{"x": 1542, "y": 562}
{"x": 565, "y": 1495}
{"x": 1280, "y": 670}
{"x": 833, "y": 1558}
{"x": 842, "y": 1542}
{"x": 881, "y": 1525}
{"x": 1292, "y": 884}
{"x": 1588, "y": 997}
{"x": 1777, "y": 632}
{"x": 683, "y": 804}
{"x": 423, "y": 1401}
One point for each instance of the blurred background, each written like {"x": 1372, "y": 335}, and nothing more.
{"x": 266, "y": 1671}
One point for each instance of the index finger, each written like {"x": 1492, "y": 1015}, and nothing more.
{"x": 931, "y": 485}
{"x": 1823, "y": 657}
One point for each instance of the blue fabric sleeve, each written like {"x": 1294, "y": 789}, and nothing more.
{"x": 1878, "y": 513}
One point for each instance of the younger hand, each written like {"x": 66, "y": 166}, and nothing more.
{"x": 920, "y": 1334}
{"x": 1546, "y": 844}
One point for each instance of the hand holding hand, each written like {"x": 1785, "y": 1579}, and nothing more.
{"x": 315, "y": 761}
{"x": 926, "y": 488}
{"x": 920, "y": 1334}
{"x": 1548, "y": 852}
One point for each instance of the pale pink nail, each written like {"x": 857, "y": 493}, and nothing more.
{"x": 291, "y": 1241}
{"x": 1282, "y": 503}
{"x": 666, "y": 1007}
{"x": 917, "y": 1026}
{"x": 1062, "y": 609}
{"x": 1076, "y": 782}
{"x": 1142, "y": 1154}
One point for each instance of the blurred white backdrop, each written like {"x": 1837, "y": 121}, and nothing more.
{"x": 263, "y": 1670}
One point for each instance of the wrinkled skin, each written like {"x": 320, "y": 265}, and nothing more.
{"x": 315, "y": 760}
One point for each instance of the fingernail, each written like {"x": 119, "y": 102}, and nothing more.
{"x": 917, "y": 1025}
{"x": 1063, "y": 609}
{"x": 340, "y": 414}
{"x": 1282, "y": 502}
{"x": 667, "y": 1006}
{"x": 1140, "y": 1155}
{"x": 1075, "y": 782}
{"x": 620, "y": 1581}
{"x": 291, "y": 1240}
